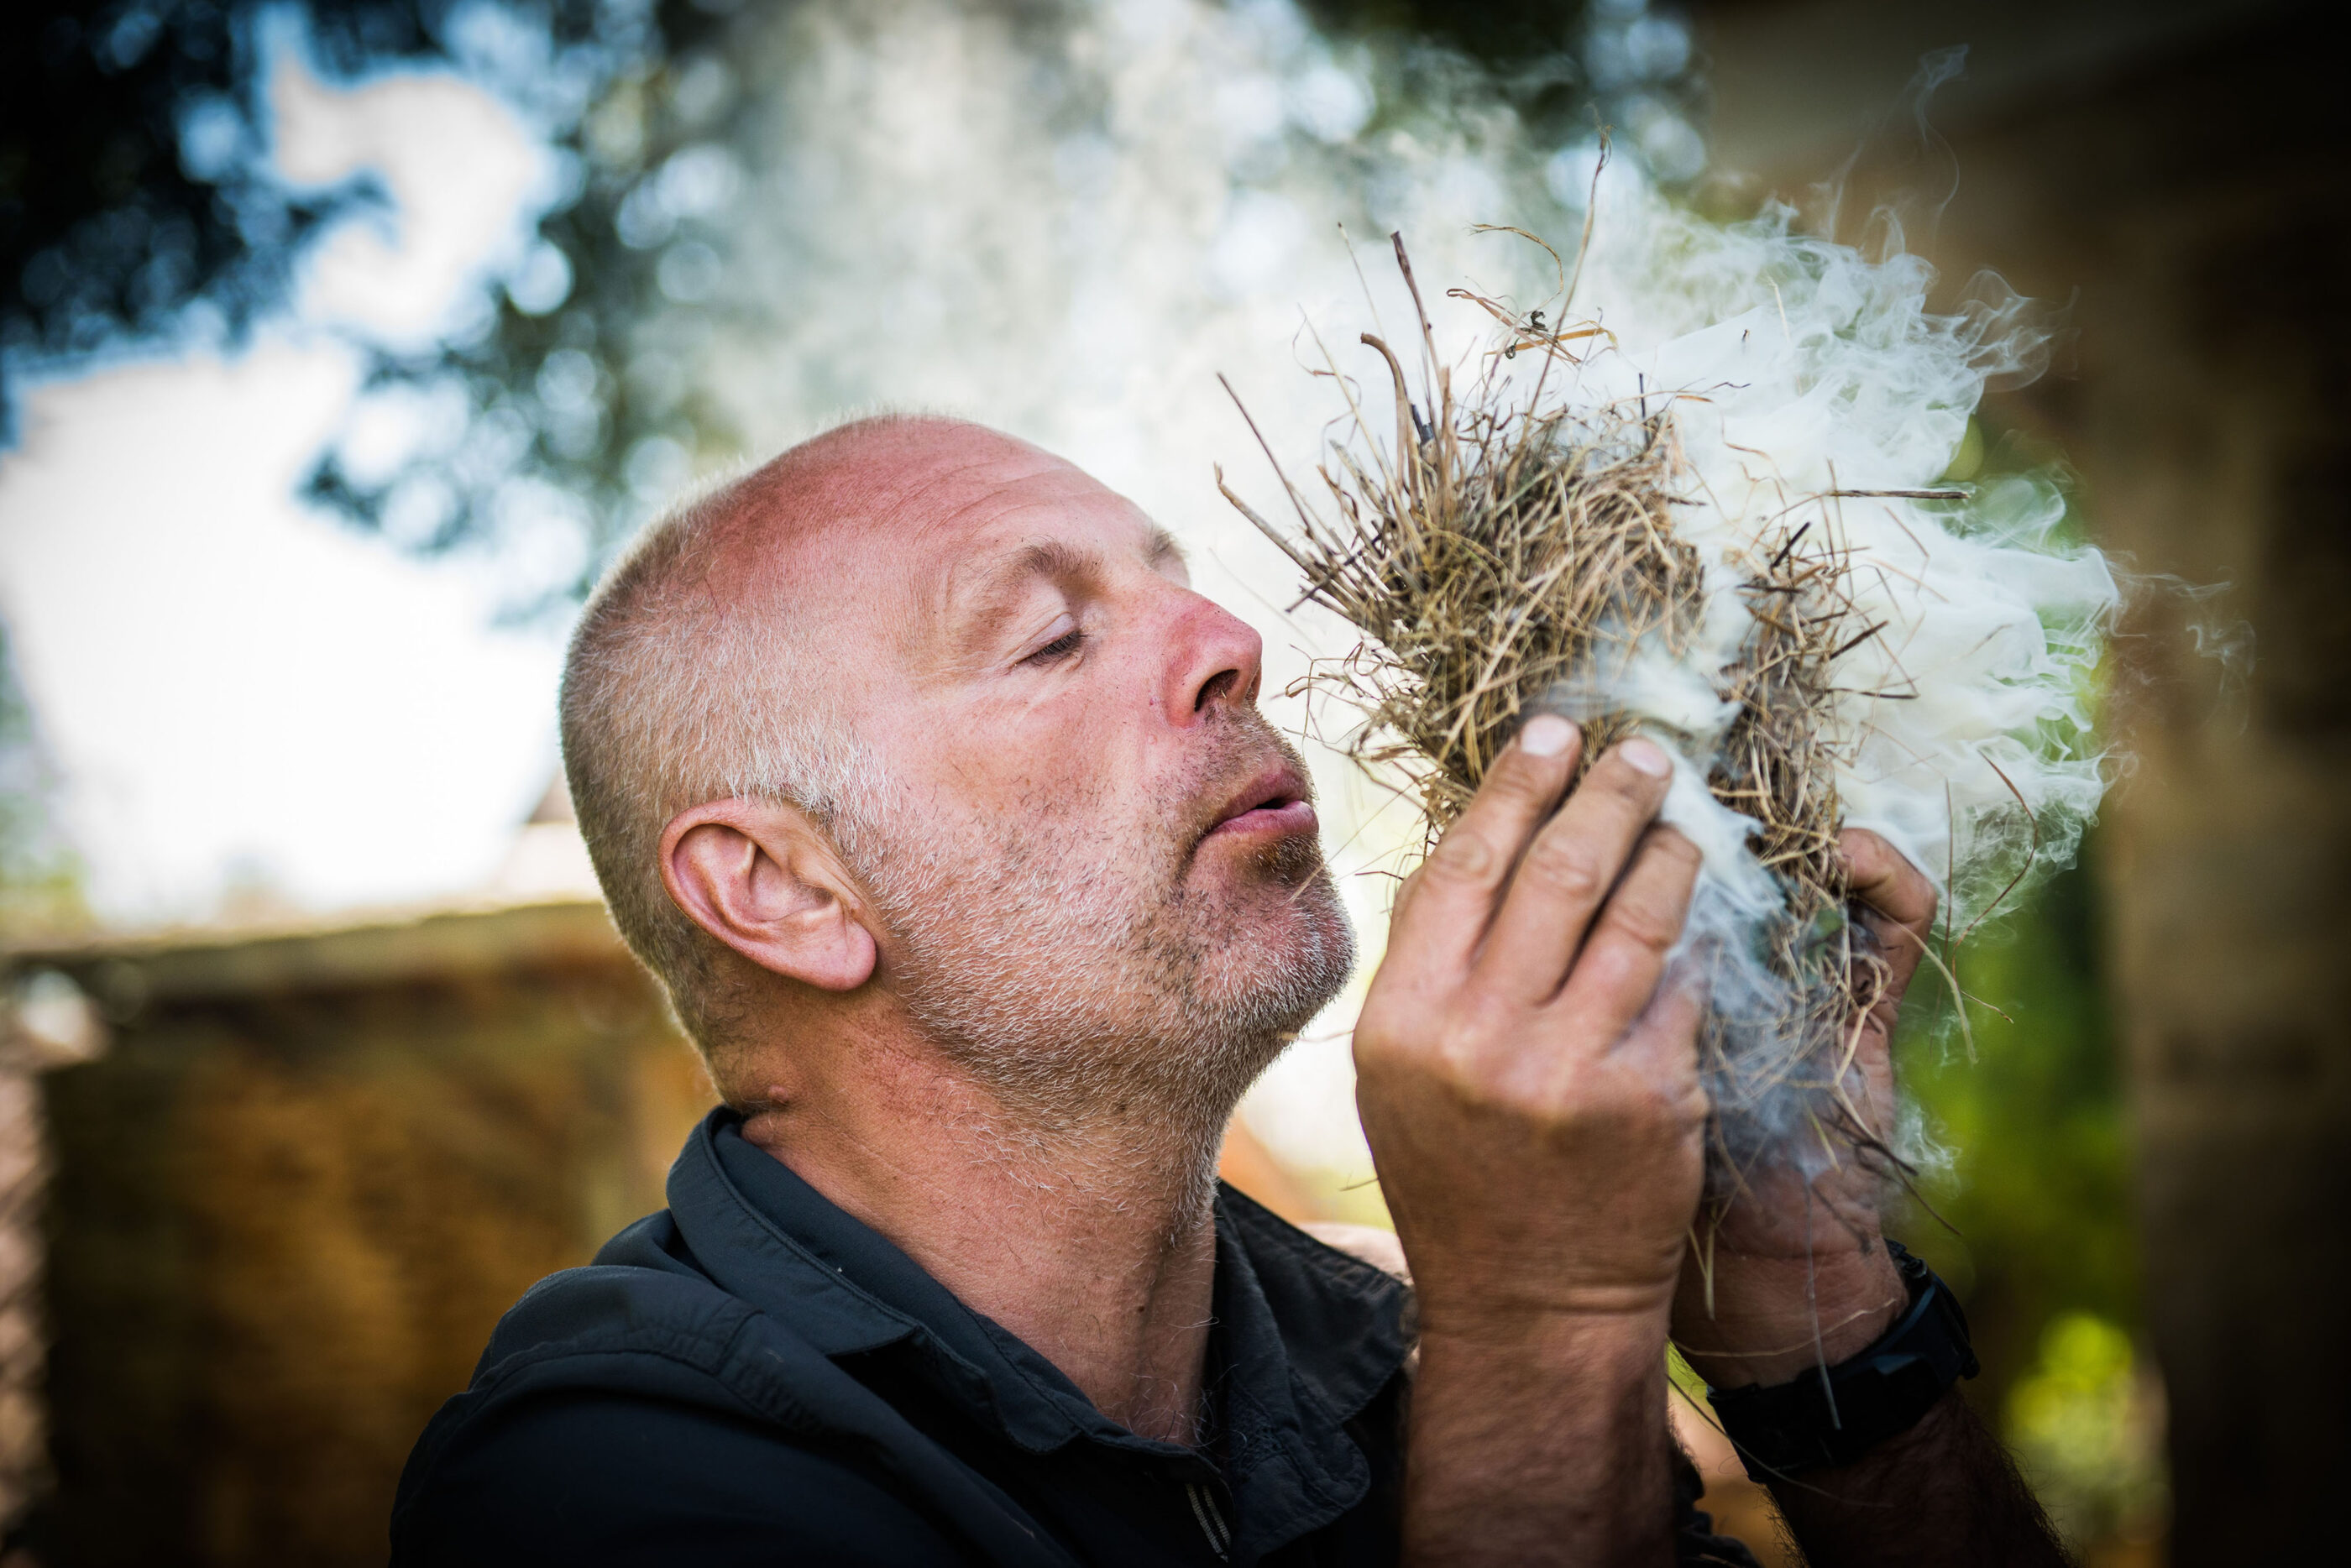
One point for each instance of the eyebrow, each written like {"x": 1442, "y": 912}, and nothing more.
{"x": 990, "y": 602}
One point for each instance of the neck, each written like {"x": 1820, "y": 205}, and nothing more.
{"x": 1094, "y": 1243}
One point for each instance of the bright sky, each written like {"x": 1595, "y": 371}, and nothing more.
{"x": 235, "y": 687}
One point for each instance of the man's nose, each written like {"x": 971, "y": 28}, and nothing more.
{"x": 1220, "y": 661}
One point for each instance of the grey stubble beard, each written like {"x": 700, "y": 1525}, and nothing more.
{"x": 1110, "y": 1007}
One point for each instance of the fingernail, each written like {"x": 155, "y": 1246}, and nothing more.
{"x": 1646, "y": 755}
{"x": 1546, "y": 735}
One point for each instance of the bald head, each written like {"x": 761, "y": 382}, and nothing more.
{"x": 689, "y": 677}
{"x": 865, "y": 478}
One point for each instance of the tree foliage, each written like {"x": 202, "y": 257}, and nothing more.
{"x": 138, "y": 205}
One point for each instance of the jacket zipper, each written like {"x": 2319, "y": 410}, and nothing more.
{"x": 1212, "y": 1520}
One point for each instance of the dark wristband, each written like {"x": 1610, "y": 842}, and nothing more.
{"x": 1831, "y": 1416}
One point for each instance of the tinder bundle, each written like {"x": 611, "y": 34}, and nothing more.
{"x": 1735, "y": 539}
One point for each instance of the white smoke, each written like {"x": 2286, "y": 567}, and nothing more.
{"x": 1065, "y": 223}
{"x": 1796, "y": 370}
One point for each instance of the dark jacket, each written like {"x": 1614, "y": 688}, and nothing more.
{"x": 753, "y": 1376}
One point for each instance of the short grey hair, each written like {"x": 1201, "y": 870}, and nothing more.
{"x": 677, "y": 691}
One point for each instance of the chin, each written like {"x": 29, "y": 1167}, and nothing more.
{"x": 1288, "y": 954}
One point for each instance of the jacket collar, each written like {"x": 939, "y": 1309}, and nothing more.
{"x": 1307, "y": 1337}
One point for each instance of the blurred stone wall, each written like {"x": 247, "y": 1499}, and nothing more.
{"x": 24, "y": 1174}
{"x": 295, "y": 1193}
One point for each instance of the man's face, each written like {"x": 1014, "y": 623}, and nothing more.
{"x": 1098, "y": 864}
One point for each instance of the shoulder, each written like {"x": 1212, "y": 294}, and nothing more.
{"x": 644, "y": 1320}
{"x": 632, "y": 1412}
{"x": 631, "y": 1301}
{"x": 584, "y": 1476}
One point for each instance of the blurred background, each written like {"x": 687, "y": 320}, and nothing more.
{"x": 342, "y": 342}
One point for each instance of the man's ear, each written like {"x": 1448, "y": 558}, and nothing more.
{"x": 759, "y": 877}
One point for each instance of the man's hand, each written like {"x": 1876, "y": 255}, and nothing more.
{"x": 1792, "y": 1274}
{"x": 1533, "y": 1100}
{"x": 1801, "y": 1278}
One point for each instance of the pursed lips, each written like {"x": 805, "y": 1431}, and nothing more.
{"x": 1274, "y": 802}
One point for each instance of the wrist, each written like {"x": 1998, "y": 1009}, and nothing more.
{"x": 1835, "y": 1417}
{"x": 1519, "y": 1307}
{"x": 1772, "y": 1318}
{"x": 1520, "y": 1350}
{"x": 1539, "y": 1438}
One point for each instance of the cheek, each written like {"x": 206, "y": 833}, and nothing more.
{"x": 1100, "y": 741}
{"x": 1034, "y": 764}
{"x": 1095, "y": 746}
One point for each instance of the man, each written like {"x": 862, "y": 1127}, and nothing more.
{"x": 943, "y": 808}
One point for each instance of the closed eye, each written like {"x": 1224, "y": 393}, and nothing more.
{"x": 1061, "y": 648}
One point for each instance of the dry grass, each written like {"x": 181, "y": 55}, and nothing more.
{"x": 1510, "y": 551}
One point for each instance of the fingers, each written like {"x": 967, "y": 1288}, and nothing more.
{"x": 1450, "y": 901}
{"x": 1616, "y": 974}
{"x": 1568, "y": 871}
{"x": 1664, "y": 1040}
{"x": 1898, "y": 900}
